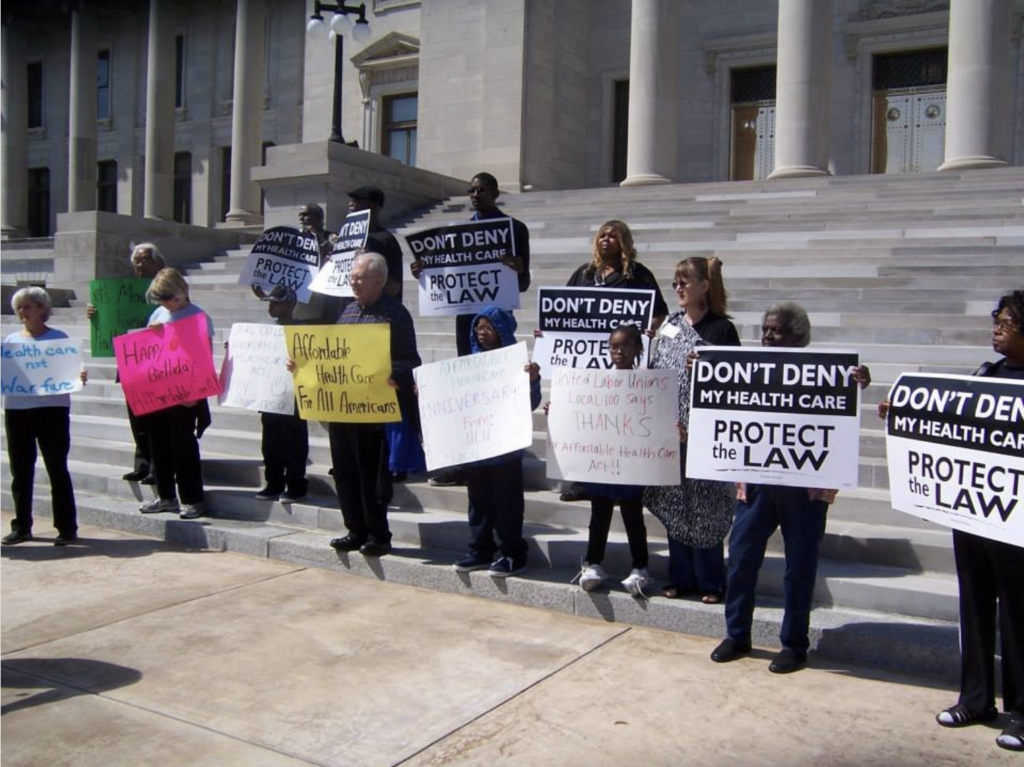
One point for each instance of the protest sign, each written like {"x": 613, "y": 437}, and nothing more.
{"x": 614, "y": 426}
{"x": 42, "y": 368}
{"x": 283, "y": 256}
{"x": 462, "y": 269}
{"x": 775, "y": 417}
{"x": 254, "y": 375}
{"x": 166, "y": 365}
{"x": 333, "y": 278}
{"x": 121, "y": 306}
{"x": 955, "y": 449}
{"x": 576, "y": 323}
{"x": 343, "y": 372}
{"x": 475, "y": 407}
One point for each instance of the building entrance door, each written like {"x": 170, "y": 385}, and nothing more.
{"x": 909, "y": 112}
{"x": 752, "y": 129}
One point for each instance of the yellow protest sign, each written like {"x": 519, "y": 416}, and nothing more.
{"x": 342, "y": 372}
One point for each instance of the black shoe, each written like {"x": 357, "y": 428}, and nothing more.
{"x": 574, "y": 494}
{"x": 149, "y": 479}
{"x": 472, "y": 562}
{"x": 136, "y": 476}
{"x": 1012, "y": 737}
{"x": 13, "y": 539}
{"x": 961, "y": 716}
{"x": 449, "y": 478}
{"x": 788, "y": 661}
{"x": 292, "y": 496}
{"x": 347, "y": 543}
{"x": 268, "y": 494}
{"x": 399, "y": 476}
{"x": 504, "y": 567}
{"x": 730, "y": 650}
{"x": 65, "y": 540}
{"x": 375, "y": 549}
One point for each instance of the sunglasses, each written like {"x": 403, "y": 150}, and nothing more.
{"x": 164, "y": 296}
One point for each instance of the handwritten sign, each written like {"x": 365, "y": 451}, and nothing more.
{"x": 956, "y": 453}
{"x": 475, "y": 407}
{"x": 254, "y": 375}
{"x": 343, "y": 372}
{"x": 333, "y": 278}
{"x": 120, "y": 306}
{"x": 614, "y": 426}
{"x": 577, "y": 322}
{"x": 166, "y": 365}
{"x": 462, "y": 269}
{"x": 775, "y": 416}
{"x": 41, "y": 368}
{"x": 283, "y": 256}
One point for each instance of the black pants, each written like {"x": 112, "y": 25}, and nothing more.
{"x": 601, "y": 510}
{"x": 175, "y": 452}
{"x": 50, "y": 427}
{"x": 143, "y": 449}
{"x": 285, "y": 451}
{"x": 359, "y": 454}
{"x": 990, "y": 572}
{"x": 496, "y": 505}
{"x": 463, "y": 328}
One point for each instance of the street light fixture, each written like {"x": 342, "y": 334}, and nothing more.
{"x": 340, "y": 24}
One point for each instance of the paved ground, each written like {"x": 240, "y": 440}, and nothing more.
{"x": 126, "y": 651}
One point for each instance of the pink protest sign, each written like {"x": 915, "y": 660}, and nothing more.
{"x": 166, "y": 365}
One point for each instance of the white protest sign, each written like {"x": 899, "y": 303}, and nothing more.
{"x": 576, "y": 323}
{"x": 462, "y": 269}
{"x": 333, "y": 278}
{"x": 283, "y": 256}
{"x": 955, "y": 449}
{"x": 775, "y": 417}
{"x": 41, "y": 368}
{"x": 614, "y": 426}
{"x": 254, "y": 375}
{"x": 475, "y": 407}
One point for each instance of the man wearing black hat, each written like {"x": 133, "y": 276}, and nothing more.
{"x": 380, "y": 240}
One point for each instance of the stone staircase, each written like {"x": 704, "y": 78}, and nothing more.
{"x": 903, "y": 269}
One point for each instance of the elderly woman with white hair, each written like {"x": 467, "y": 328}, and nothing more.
{"x": 42, "y": 420}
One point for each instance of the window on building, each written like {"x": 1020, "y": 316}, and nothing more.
{"x": 225, "y": 182}
{"x": 918, "y": 69}
{"x": 399, "y": 129}
{"x": 39, "y": 202}
{"x": 620, "y": 129}
{"x": 183, "y": 187}
{"x": 106, "y": 186}
{"x": 263, "y": 161}
{"x": 35, "y": 94}
{"x": 103, "y": 86}
{"x": 179, "y": 71}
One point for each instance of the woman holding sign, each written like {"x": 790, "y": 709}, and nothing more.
{"x": 43, "y": 420}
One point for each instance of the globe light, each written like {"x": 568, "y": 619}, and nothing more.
{"x": 361, "y": 32}
{"x": 341, "y": 24}
{"x": 316, "y": 28}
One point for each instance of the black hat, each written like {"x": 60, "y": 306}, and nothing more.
{"x": 368, "y": 194}
{"x": 281, "y": 294}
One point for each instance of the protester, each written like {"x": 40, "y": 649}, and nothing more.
{"x": 311, "y": 219}
{"x": 319, "y": 308}
{"x": 43, "y": 420}
{"x": 175, "y": 431}
{"x": 495, "y": 485}
{"x": 626, "y": 348}
{"x": 697, "y": 513}
{"x": 799, "y": 512}
{"x": 146, "y": 261}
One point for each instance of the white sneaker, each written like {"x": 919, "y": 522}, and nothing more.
{"x": 637, "y": 581}
{"x": 592, "y": 576}
{"x": 193, "y": 510}
{"x": 158, "y": 505}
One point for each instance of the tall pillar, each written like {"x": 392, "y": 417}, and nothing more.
{"x": 82, "y": 111}
{"x": 802, "y": 88}
{"x": 653, "y": 93}
{"x": 978, "y": 94}
{"x": 14, "y": 145}
{"x": 247, "y": 111}
{"x": 158, "y": 199}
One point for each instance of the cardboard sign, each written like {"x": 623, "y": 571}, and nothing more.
{"x": 166, "y": 365}
{"x": 343, "y": 372}
{"x": 120, "y": 306}
{"x": 614, "y": 426}
{"x": 333, "y": 278}
{"x": 475, "y": 407}
{"x": 775, "y": 417}
{"x": 254, "y": 375}
{"x": 462, "y": 269}
{"x": 41, "y": 368}
{"x": 956, "y": 453}
{"x": 283, "y": 256}
{"x": 576, "y": 323}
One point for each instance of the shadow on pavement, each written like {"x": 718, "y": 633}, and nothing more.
{"x": 61, "y": 678}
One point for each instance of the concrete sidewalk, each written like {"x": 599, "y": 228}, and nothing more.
{"x": 127, "y": 651}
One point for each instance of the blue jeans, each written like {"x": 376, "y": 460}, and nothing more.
{"x": 803, "y": 524}
{"x": 693, "y": 569}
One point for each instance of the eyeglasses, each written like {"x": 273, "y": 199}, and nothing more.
{"x": 165, "y": 296}
{"x": 1004, "y": 326}
{"x": 679, "y": 285}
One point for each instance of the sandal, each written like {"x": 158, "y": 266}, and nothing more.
{"x": 712, "y": 598}
{"x": 671, "y": 591}
{"x": 1012, "y": 738}
{"x": 961, "y": 716}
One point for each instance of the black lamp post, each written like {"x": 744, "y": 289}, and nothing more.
{"x": 340, "y": 24}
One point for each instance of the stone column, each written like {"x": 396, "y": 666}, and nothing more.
{"x": 14, "y": 146}
{"x": 158, "y": 200}
{"x": 247, "y": 112}
{"x": 802, "y": 88}
{"x": 653, "y": 93}
{"x": 978, "y": 94}
{"x": 82, "y": 113}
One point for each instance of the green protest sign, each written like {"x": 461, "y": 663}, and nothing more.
{"x": 120, "y": 306}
